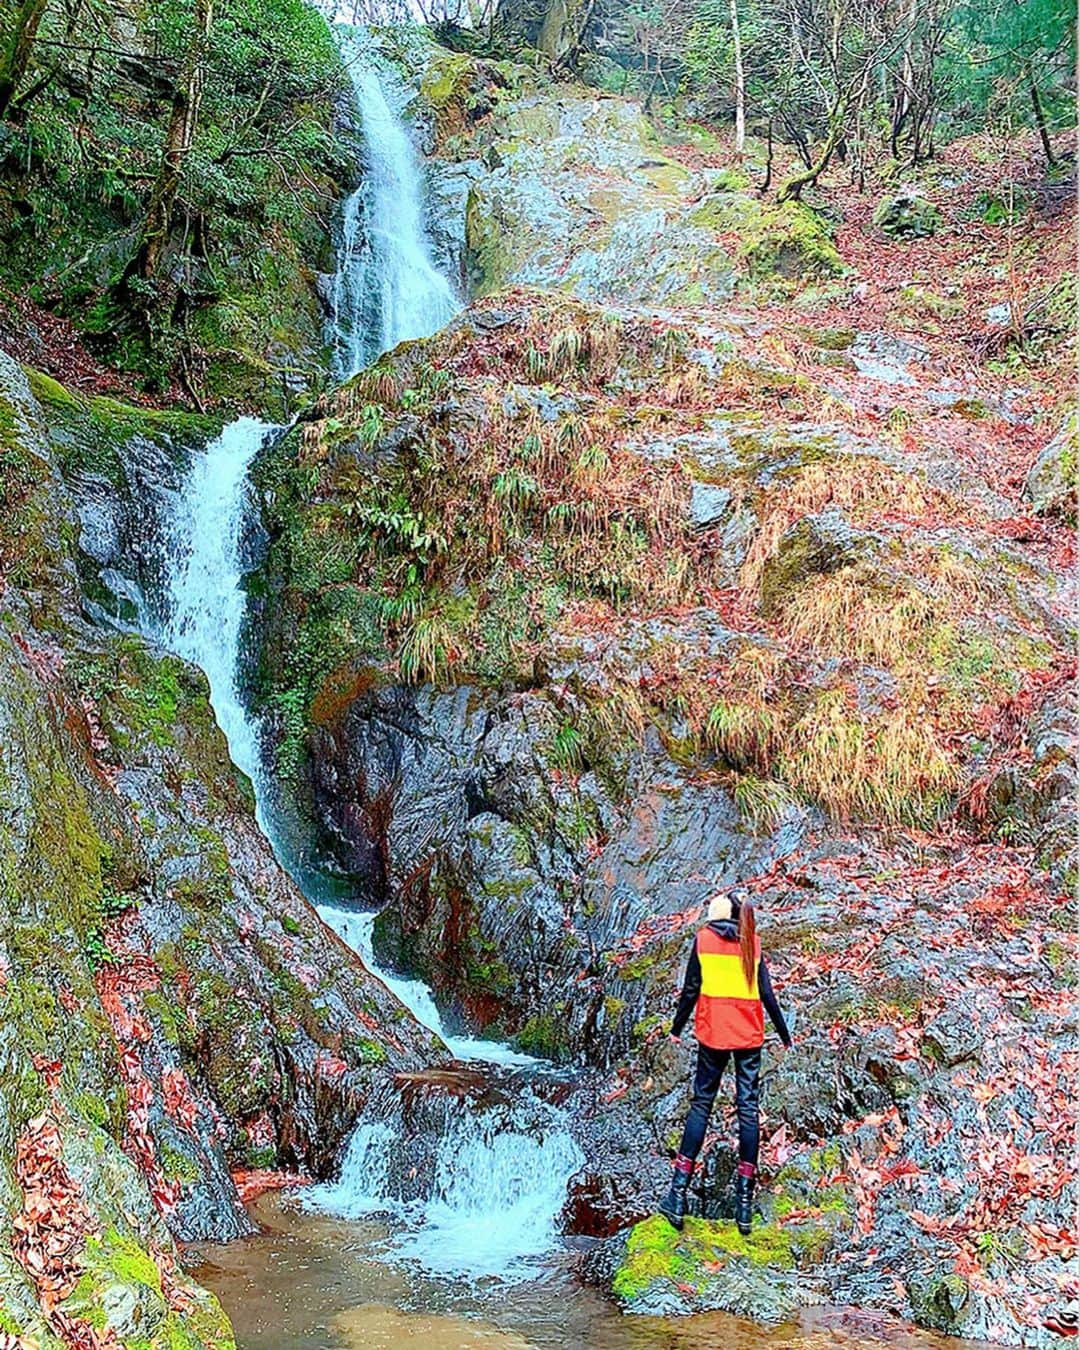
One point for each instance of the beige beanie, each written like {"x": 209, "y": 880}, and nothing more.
{"x": 720, "y": 906}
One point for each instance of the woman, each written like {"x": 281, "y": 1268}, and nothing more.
{"x": 728, "y": 980}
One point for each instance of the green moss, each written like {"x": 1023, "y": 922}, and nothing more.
{"x": 638, "y": 967}
{"x": 790, "y": 241}
{"x": 93, "y": 1108}
{"x": 445, "y": 79}
{"x": 371, "y": 1052}
{"x": 90, "y": 433}
{"x": 290, "y": 925}
{"x": 827, "y": 1160}
{"x": 177, "y": 1166}
{"x": 125, "y": 1258}
{"x": 655, "y": 1252}
{"x": 613, "y": 1013}
{"x": 544, "y": 1035}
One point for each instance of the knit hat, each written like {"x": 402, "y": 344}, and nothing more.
{"x": 726, "y": 904}
{"x": 720, "y": 907}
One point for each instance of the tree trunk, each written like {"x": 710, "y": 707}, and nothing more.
{"x": 17, "y": 57}
{"x": 793, "y": 189}
{"x": 740, "y": 81}
{"x": 766, "y": 182}
{"x": 1040, "y": 115}
{"x": 179, "y": 138}
{"x": 563, "y": 29}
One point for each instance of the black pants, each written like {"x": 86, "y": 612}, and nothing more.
{"x": 710, "y": 1069}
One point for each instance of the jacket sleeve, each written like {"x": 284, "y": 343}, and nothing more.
{"x": 768, "y": 999}
{"x": 690, "y": 991}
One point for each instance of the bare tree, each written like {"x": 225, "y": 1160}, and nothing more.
{"x": 740, "y": 80}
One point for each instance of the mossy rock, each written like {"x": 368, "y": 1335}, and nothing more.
{"x": 120, "y": 1291}
{"x": 792, "y": 241}
{"x": 710, "y": 1266}
{"x": 938, "y": 1301}
{"x": 90, "y": 433}
{"x": 814, "y": 546}
{"x": 907, "y": 215}
{"x": 1001, "y": 207}
{"x": 1053, "y": 483}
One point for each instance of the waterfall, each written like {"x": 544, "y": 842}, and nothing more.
{"x": 205, "y": 601}
{"x": 356, "y": 930}
{"x": 387, "y": 288}
{"x": 499, "y": 1174}
{"x": 497, "y": 1185}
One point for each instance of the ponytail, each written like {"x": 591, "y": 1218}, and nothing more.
{"x": 747, "y": 932}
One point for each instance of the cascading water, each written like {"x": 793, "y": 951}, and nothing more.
{"x": 204, "y": 605}
{"x": 498, "y": 1181}
{"x": 500, "y": 1173}
{"x": 356, "y": 930}
{"x": 387, "y": 288}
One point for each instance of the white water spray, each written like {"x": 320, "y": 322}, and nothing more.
{"x": 499, "y": 1182}
{"x": 387, "y": 288}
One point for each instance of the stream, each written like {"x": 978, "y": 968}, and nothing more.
{"x": 474, "y": 1256}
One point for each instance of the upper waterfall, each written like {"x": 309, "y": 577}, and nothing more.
{"x": 387, "y": 288}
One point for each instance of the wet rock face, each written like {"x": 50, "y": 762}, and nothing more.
{"x": 173, "y": 1006}
{"x": 121, "y": 468}
{"x": 574, "y": 191}
{"x": 504, "y": 883}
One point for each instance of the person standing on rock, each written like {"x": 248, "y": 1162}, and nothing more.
{"x": 728, "y": 982}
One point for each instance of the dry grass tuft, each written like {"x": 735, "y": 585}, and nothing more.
{"x": 862, "y": 487}
{"x": 894, "y": 770}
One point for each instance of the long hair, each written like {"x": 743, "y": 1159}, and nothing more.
{"x": 747, "y": 931}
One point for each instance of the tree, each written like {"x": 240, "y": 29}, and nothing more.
{"x": 179, "y": 139}
{"x": 20, "y": 45}
{"x": 740, "y": 80}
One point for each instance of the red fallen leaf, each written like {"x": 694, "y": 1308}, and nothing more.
{"x": 50, "y": 1069}
{"x": 1044, "y": 1240}
{"x": 685, "y": 1288}
{"x": 179, "y": 1102}
{"x": 615, "y": 1094}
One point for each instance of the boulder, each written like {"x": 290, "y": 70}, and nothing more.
{"x": 907, "y": 214}
{"x": 1051, "y": 484}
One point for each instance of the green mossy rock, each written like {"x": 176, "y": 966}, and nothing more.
{"x": 907, "y": 215}
{"x": 939, "y": 1301}
{"x": 710, "y": 1266}
{"x": 1053, "y": 481}
{"x": 791, "y": 241}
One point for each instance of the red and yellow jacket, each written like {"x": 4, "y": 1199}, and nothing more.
{"x": 730, "y": 1009}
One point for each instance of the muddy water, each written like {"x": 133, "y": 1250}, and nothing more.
{"x": 320, "y": 1283}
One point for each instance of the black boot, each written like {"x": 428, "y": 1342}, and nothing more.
{"x": 673, "y": 1205}
{"x": 744, "y": 1197}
